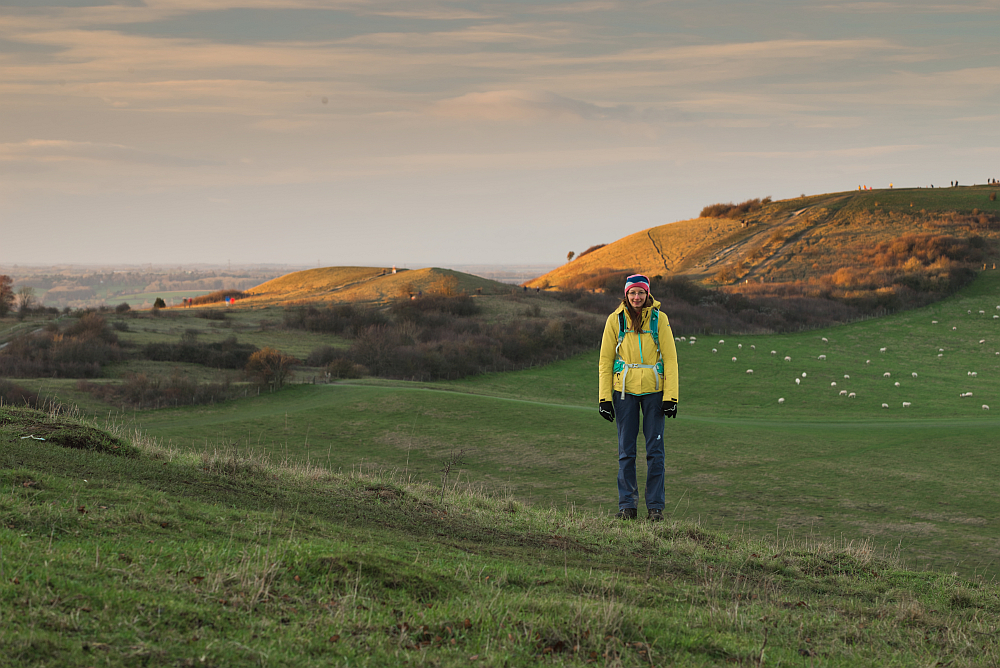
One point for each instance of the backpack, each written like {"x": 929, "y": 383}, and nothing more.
{"x": 654, "y": 328}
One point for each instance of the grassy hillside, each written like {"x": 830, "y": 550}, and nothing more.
{"x": 365, "y": 285}
{"x": 221, "y": 559}
{"x": 788, "y": 240}
{"x": 921, "y": 477}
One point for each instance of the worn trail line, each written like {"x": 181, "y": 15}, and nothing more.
{"x": 658, "y": 251}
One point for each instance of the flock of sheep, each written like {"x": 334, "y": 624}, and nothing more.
{"x": 843, "y": 392}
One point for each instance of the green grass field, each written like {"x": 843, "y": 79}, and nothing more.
{"x": 922, "y": 478}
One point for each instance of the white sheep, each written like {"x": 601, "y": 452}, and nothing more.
{"x": 996, "y": 316}
{"x": 753, "y": 347}
{"x": 846, "y": 377}
{"x": 797, "y": 381}
{"x": 886, "y": 374}
{"x": 803, "y": 374}
{"x": 781, "y": 400}
{"x": 982, "y": 341}
{"x": 985, "y": 407}
{"x": 897, "y": 383}
{"x": 788, "y": 359}
{"x": 868, "y": 361}
{"x": 843, "y": 393}
{"x": 714, "y": 350}
{"x": 740, "y": 346}
{"x": 822, "y": 357}
{"x": 933, "y": 322}
{"x": 940, "y": 350}
{"x": 824, "y": 339}
{"x": 774, "y": 352}
{"x": 852, "y": 395}
{"x": 677, "y": 338}
{"x": 750, "y": 371}
{"x": 885, "y": 405}
{"x": 965, "y": 394}
{"x": 906, "y": 404}
{"x": 940, "y": 354}
{"x": 982, "y": 313}
{"x": 973, "y": 374}
{"x": 721, "y": 341}
{"x": 914, "y": 374}
{"x": 833, "y": 384}
{"x": 734, "y": 359}
{"x": 881, "y": 350}
{"x": 954, "y": 329}
{"x": 691, "y": 342}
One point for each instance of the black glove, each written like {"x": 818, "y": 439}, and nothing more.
{"x": 670, "y": 409}
{"x": 607, "y": 410}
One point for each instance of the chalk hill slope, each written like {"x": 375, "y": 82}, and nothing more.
{"x": 787, "y": 240}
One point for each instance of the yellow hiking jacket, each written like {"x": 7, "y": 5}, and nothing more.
{"x": 637, "y": 349}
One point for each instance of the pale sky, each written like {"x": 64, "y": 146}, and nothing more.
{"x": 415, "y": 132}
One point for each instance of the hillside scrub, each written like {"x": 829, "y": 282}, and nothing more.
{"x": 224, "y": 557}
{"x": 731, "y": 210}
{"x": 77, "y": 349}
{"x": 226, "y": 354}
{"x": 142, "y": 391}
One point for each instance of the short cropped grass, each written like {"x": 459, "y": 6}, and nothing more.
{"x": 224, "y": 558}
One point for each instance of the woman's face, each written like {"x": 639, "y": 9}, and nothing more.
{"x": 636, "y": 297}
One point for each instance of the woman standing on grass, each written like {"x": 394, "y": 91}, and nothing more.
{"x": 637, "y": 373}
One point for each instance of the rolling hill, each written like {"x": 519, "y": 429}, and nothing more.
{"x": 789, "y": 240}
{"x": 365, "y": 284}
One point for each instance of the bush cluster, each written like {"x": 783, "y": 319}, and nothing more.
{"x": 342, "y": 319}
{"x": 731, "y": 210}
{"x": 226, "y": 354}
{"x": 78, "y": 350}
{"x": 215, "y": 297}
{"x": 142, "y": 391}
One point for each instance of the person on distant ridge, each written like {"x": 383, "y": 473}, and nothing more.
{"x": 637, "y": 373}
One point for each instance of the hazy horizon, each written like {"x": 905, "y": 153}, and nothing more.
{"x": 436, "y": 132}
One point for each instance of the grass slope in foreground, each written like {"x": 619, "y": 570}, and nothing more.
{"x": 153, "y": 557}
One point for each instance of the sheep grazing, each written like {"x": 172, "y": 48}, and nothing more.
{"x": 996, "y": 316}
{"x": 797, "y": 381}
{"x": 846, "y": 377}
{"x": 822, "y": 357}
{"x": 982, "y": 313}
{"x": 940, "y": 354}
{"x": 750, "y": 371}
{"x": 774, "y": 352}
{"x": 906, "y": 404}
{"x": 740, "y": 346}
{"x": 734, "y": 359}
{"x": 965, "y": 394}
{"x": 788, "y": 359}
{"x": 985, "y": 407}
{"x": 868, "y": 361}
{"x": 852, "y": 395}
{"x": 803, "y": 374}
{"x": 715, "y": 350}
{"x": 833, "y": 384}
{"x": 982, "y": 341}
{"x": 973, "y": 374}
{"x": 824, "y": 339}
{"x": 691, "y": 342}
{"x": 753, "y": 347}
{"x": 781, "y": 400}
{"x": 881, "y": 350}
{"x": 886, "y": 374}
{"x": 940, "y": 350}
{"x": 897, "y": 383}
{"x": 914, "y": 374}
{"x": 933, "y": 322}
{"x": 721, "y": 341}
{"x": 885, "y": 405}
{"x": 954, "y": 329}
{"x": 843, "y": 393}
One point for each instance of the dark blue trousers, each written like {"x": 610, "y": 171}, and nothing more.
{"x": 627, "y": 413}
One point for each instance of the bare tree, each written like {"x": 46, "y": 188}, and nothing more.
{"x": 569, "y": 256}
{"x": 6, "y": 294}
{"x": 25, "y": 298}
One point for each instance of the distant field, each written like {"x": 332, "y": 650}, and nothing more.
{"x": 922, "y": 477}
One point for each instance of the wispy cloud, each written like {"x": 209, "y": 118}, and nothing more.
{"x": 521, "y": 105}
{"x": 60, "y": 150}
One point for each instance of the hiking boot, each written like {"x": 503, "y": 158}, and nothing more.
{"x": 627, "y": 514}
{"x": 655, "y": 515}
